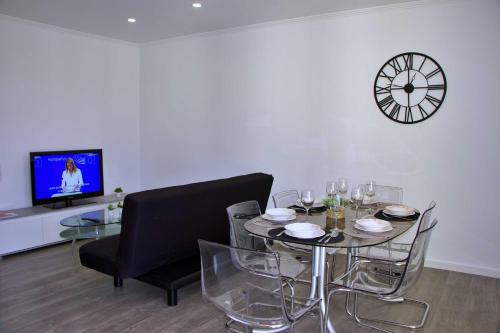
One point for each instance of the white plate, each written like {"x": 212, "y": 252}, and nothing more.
{"x": 402, "y": 214}
{"x": 373, "y": 224}
{"x": 400, "y": 210}
{"x": 280, "y": 213}
{"x": 285, "y": 219}
{"x": 357, "y": 226}
{"x": 309, "y": 235}
{"x": 304, "y": 227}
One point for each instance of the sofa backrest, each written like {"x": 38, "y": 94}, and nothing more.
{"x": 162, "y": 226}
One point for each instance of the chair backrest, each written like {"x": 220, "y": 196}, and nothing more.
{"x": 388, "y": 194}
{"x": 285, "y": 199}
{"x": 252, "y": 297}
{"x": 425, "y": 219}
{"x": 238, "y": 215}
{"x": 415, "y": 261}
{"x": 162, "y": 226}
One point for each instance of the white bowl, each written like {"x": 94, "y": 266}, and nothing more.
{"x": 306, "y": 235}
{"x": 280, "y": 213}
{"x": 302, "y": 228}
{"x": 373, "y": 224}
{"x": 400, "y": 210}
{"x": 357, "y": 226}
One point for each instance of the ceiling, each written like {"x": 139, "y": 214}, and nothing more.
{"x": 160, "y": 19}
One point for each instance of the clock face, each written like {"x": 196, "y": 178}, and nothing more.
{"x": 410, "y": 88}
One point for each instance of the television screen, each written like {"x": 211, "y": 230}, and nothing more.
{"x": 64, "y": 175}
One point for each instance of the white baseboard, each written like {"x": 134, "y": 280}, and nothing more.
{"x": 457, "y": 267}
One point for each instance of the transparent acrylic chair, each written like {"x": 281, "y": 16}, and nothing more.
{"x": 293, "y": 263}
{"x": 239, "y": 214}
{"x": 397, "y": 251}
{"x": 288, "y": 198}
{"x": 361, "y": 279}
{"x": 285, "y": 199}
{"x": 388, "y": 194}
{"x": 251, "y": 294}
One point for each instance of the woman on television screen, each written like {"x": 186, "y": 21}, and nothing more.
{"x": 71, "y": 177}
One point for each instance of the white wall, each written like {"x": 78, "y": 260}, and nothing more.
{"x": 295, "y": 100}
{"x": 64, "y": 90}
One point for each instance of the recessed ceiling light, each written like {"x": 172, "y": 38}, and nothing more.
{"x": 131, "y": 20}
{"x": 196, "y": 4}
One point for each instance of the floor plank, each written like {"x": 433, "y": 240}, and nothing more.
{"x": 45, "y": 291}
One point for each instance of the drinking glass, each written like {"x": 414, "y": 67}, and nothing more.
{"x": 357, "y": 195}
{"x": 343, "y": 186}
{"x": 370, "y": 192}
{"x": 332, "y": 188}
{"x": 307, "y": 199}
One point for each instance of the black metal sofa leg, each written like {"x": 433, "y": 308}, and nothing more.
{"x": 117, "y": 281}
{"x": 171, "y": 297}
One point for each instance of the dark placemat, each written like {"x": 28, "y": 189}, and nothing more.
{"x": 391, "y": 218}
{"x": 313, "y": 241}
{"x": 299, "y": 209}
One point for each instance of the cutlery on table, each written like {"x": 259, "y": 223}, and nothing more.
{"x": 281, "y": 233}
{"x": 334, "y": 233}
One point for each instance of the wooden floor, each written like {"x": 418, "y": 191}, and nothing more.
{"x": 45, "y": 291}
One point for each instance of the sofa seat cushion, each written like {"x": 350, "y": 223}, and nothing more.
{"x": 101, "y": 255}
{"x": 174, "y": 275}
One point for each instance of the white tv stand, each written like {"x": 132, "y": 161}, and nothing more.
{"x": 39, "y": 226}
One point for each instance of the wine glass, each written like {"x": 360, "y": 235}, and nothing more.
{"x": 307, "y": 199}
{"x": 343, "y": 186}
{"x": 332, "y": 188}
{"x": 357, "y": 195}
{"x": 370, "y": 191}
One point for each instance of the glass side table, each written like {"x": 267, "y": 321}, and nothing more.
{"x": 92, "y": 225}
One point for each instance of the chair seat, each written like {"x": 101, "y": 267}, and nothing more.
{"x": 364, "y": 277}
{"x": 395, "y": 252}
{"x": 261, "y": 307}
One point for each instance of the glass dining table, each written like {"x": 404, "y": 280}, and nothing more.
{"x": 349, "y": 238}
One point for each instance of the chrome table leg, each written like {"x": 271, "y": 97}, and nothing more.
{"x": 318, "y": 273}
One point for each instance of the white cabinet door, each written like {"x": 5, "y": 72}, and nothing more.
{"x": 51, "y": 227}
{"x": 20, "y": 234}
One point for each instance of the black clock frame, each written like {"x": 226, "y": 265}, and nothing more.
{"x": 406, "y": 88}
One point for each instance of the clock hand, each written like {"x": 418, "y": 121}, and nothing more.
{"x": 412, "y": 78}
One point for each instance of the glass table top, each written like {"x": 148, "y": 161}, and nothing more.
{"x": 352, "y": 237}
{"x": 96, "y": 232}
{"x": 97, "y": 224}
{"x": 93, "y": 219}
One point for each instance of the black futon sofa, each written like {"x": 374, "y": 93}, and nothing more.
{"x": 158, "y": 240}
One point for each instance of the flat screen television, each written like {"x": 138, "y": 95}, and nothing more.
{"x": 60, "y": 177}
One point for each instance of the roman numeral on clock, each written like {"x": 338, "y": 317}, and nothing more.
{"x": 386, "y": 102}
{"x": 384, "y": 75}
{"x": 395, "y": 111}
{"x": 423, "y": 113}
{"x": 436, "y": 87}
{"x": 431, "y": 74}
{"x": 408, "y": 61}
{"x": 408, "y": 115}
{"x": 382, "y": 90}
{"x": 433, "y": 100}
{"x": 394, "y": 63}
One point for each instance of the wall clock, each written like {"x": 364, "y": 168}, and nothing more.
{"x": 410, "y": 88}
